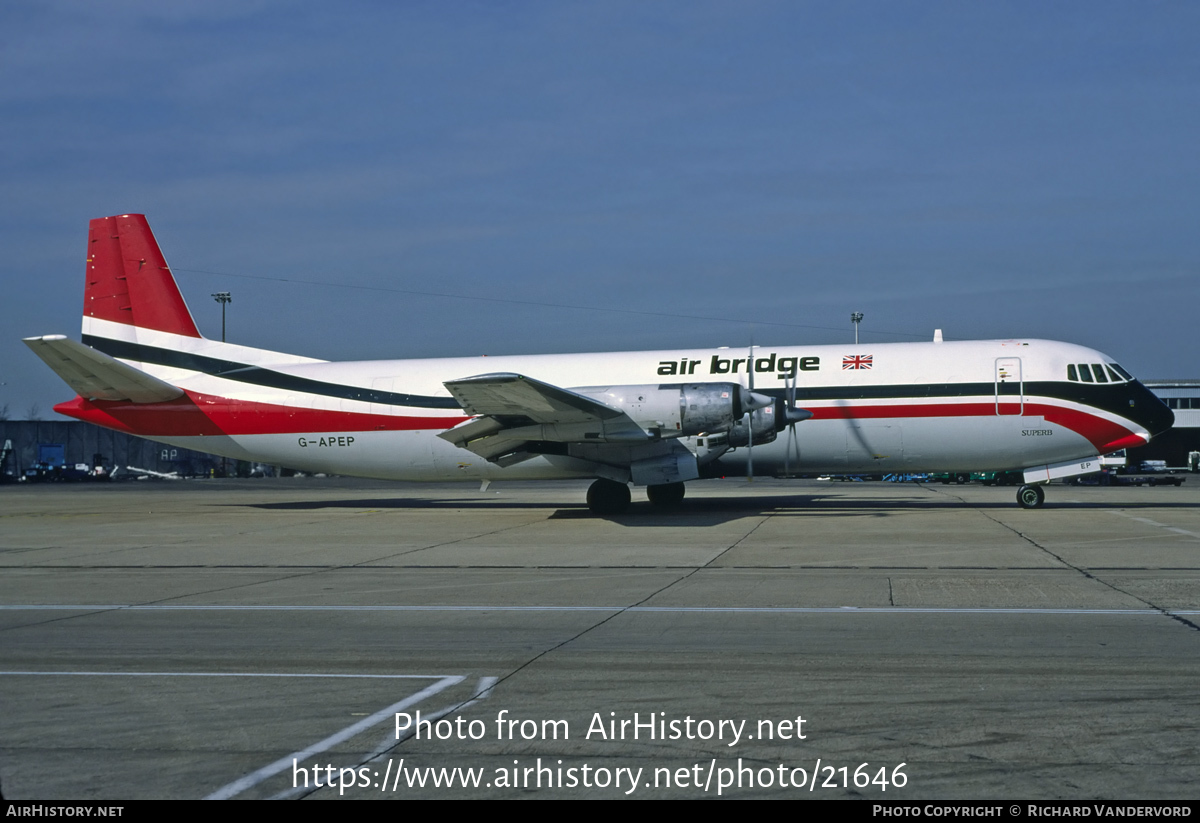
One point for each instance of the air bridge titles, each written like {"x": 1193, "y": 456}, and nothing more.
{"x": 783, "y": 367}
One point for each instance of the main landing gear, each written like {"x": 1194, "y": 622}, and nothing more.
{"x": 605, "y": 497}
{"x": 666, "y": 495}
{"x": 1031, "y": 497}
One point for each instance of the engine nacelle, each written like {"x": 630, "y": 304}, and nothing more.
{"x": 762, "y": 424}
{"x": 681, "y": 409}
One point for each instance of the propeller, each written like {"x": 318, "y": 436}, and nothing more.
{"x": 792, "y": 444}
{"x": 750, "y": 416}
{"x": 751, "y": 403}
{"x": 792, "y": 416}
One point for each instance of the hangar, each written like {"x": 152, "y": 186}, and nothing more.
{"x": 1175, "y": 446}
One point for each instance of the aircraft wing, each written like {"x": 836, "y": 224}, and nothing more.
{"x": 503, "y": 394}
{"x": 97, "y": 376}
{"x": 513, "y": 411}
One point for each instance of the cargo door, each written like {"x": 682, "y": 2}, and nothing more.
{"x": 1010, "y": 397}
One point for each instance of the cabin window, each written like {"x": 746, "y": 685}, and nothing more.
{"x": 1116, "y": 378}
{"x": 1071, "y": 375}
{"x": 1085, "y": 374}
{"x": 1122, "y": 372}
{"x": 1101, "y": 377}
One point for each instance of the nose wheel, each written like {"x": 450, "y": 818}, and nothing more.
{"x": 1031, "y": 497}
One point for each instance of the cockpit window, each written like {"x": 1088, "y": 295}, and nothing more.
{"x": 1121, "y": 371}
{"x": 1097, "y": 373}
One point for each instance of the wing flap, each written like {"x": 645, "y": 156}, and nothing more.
{"x": 97, "y": 376}
{"x": 513, "y": 411}
{"x": 516, "y": 395}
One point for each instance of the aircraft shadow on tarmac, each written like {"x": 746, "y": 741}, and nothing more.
{"x": 697, "y": 512}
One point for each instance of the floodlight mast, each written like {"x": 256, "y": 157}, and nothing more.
{"x": 222, "y": 297}
{"x": 856, "y": 318}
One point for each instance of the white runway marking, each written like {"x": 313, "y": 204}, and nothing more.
{"x": 631, "y": 609}
{"x": 482, "y": 691}
{"x": 232, "y": 674}
{"x": 254, "y": 778}
{"x": 1150, "y": 522}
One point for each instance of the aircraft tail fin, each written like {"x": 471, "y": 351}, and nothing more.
{"x": 129, "y": 282}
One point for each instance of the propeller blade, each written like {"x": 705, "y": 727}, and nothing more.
{"x": 751, "y": 397}
{"x": 790, "y": 387}
{"x": 792, "y": 416}
{"x": 750, "y": 366}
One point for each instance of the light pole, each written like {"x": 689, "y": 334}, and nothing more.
{"x": 855, "y": 318}
{"x": 223, "y": 297}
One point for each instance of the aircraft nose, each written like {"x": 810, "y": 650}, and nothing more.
{"x": 1151, "y": 412}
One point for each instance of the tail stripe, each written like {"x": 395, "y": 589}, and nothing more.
{"x": 258, "y": 376}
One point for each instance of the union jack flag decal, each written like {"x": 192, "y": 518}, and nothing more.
{"x": 856, "y": 361}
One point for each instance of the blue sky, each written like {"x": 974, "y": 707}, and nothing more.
{"x": 992, "y": 169}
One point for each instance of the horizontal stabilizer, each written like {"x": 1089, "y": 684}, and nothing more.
{"x": 97, "y": 376}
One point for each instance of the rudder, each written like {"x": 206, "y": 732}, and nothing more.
{"x": 128, "y": 280}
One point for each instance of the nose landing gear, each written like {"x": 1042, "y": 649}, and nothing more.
{"x": 1031, "y": 497}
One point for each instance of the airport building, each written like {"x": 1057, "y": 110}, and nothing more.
{"x": 78, "y": 448}
{"x": 1174, "y": 446}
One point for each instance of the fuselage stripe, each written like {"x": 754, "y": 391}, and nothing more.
{"x": 1090, "y": 411}
{"x": 259, "y": 376}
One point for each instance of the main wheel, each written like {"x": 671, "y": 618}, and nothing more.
{"x": 1030, "y": 497}
{"x": 607, "y": 497}
{"x": 665, "y": 495}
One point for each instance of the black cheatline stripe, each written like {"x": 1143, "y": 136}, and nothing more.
{"x": 987, "y": 391}
{"x": 1117, "y": 398}
{"x": 1131, "y": 401}
{"x": 255, "y": 375}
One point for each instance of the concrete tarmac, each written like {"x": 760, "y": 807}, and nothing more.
{"x": 252, "y": 638}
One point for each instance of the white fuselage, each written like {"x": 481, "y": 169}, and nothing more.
{"x": 900, "y": 407}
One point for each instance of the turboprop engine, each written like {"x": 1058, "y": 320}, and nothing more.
{"x": 765, "y": 424}
{"x": 683, "y": 409}
{"x": 761, "y": 425}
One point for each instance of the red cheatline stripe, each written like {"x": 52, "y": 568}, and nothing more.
{"x": 1102, "y": 433}
{"x": 200, "y": 414}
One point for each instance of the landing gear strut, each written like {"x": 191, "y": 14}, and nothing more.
{"x": 665, "y": 495}
{"x": 607, "y": 497}
{"x": 1031, "y": 497}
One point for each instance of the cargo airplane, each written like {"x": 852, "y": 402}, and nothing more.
{"x": 655, "y": 418}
